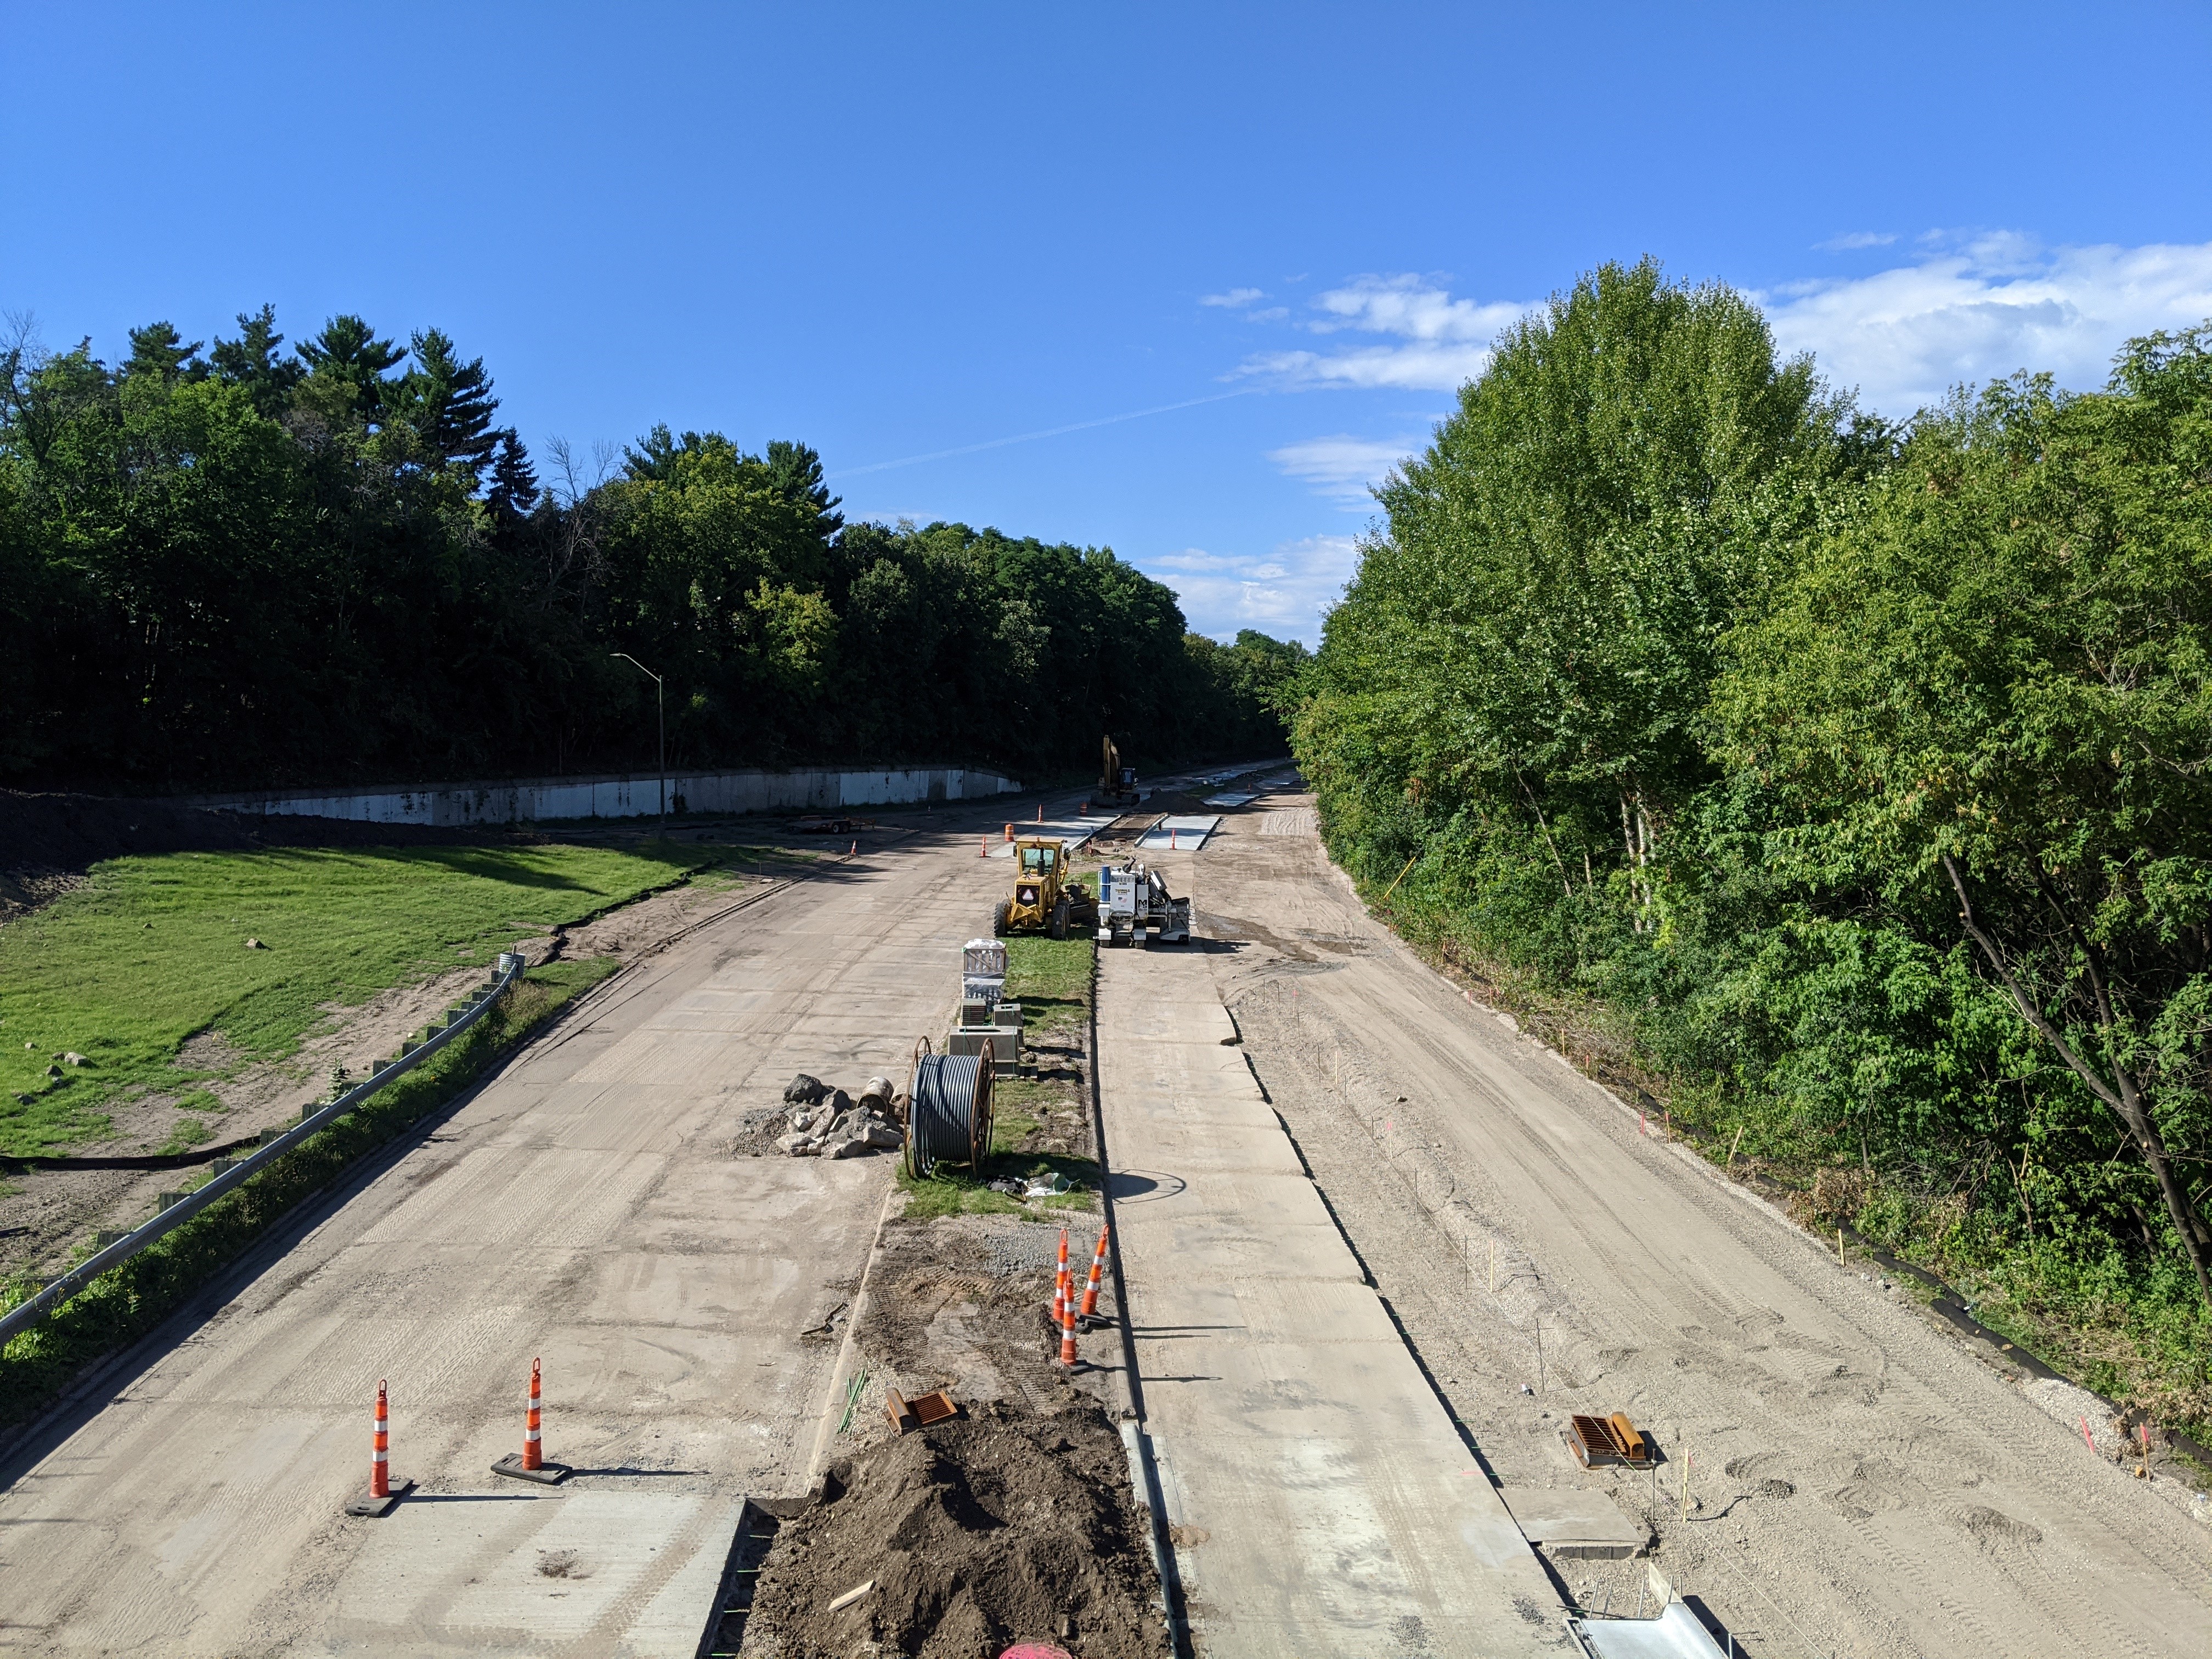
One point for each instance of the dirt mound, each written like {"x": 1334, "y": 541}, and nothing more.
{"x": 48, "y": 840}
{"x": 999, "y": 1527}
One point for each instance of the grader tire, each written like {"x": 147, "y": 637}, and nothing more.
{"x": 1059, "y": 919}
{"x": 999, "y": 918}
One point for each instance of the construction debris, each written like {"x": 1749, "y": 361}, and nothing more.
{"x": 830, "y": 1123}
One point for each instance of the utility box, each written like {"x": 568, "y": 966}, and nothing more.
{"x": 1006, "y": 1042}
{"x": 983, "y": 958}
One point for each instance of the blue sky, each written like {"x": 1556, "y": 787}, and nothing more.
{"x": 895, "y": 232}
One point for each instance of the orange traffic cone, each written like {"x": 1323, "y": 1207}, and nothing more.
{"x": 982, "y": 846}
{"x": 1067, "y": 1356}
{"x": 382, "y": 1494}
{"x": 1010, "y": 832}
{"x": 533, "y": 1435}
{"x": 1040, "y": 812}
{"x": 380, "y": 1459}
{"x": 1089, "y": 1313}
{"x": 532, "y": 1465}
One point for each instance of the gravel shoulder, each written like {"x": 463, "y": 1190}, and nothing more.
{"x": 1858, "y": 1480}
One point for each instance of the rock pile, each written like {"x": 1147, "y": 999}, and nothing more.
{"x": 827, "y": 1122}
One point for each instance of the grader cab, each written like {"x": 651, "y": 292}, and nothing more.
{"x": 1047, "y": 898}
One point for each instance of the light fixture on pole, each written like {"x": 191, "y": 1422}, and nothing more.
{"x": 660, "y": 711}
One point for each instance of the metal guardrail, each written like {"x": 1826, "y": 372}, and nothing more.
{"x": 59, "y": 1291}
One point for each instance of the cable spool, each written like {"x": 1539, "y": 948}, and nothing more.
{"x": 948, "y": 1110}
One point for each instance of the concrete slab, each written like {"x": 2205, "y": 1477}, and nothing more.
{"x": 1575, "y": 1521}
{"x": 1179, "y": 833}
{"x": 1320, "y": 1497}
{"x": 1178, "y": 1021}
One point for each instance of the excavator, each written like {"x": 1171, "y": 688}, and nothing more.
{"x": 1117, "y": 782}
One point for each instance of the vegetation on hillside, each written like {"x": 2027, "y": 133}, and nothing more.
{"x": 1852, "y": 782}
{"x": 242, "y": 566}
{"x": 149, "y": 952}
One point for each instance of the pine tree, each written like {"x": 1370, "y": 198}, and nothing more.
{"x": 347, "y": 361}
{"x": 159, "y": 350}
{"x": 250, "y": 361}
{"x": 449, "y": 405}
{"x": 513, "y": 489}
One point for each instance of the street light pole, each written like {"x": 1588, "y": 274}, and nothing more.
{"x": 660, "y": 714}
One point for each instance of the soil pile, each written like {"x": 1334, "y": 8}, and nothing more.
{"x": 999, "y": 1527}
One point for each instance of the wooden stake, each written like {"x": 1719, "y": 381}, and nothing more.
{"x": 1733, "y": 1144}
{"x": 1687, "y": 1456}
{"x": 1839, "y": 1246}
{"x": 1393, "y": 887}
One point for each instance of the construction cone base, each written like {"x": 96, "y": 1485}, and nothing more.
{"x": 545, "y": 1474}
{"x": 380, "y": 1506}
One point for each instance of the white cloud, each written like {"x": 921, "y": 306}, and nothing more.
{"x": 1436, "y": 342}
{"x": 1235, "y": 298}
{"x": 1904, "y": 337}
{"x": 1343, "y": 467}
{"x": 1285, "y": 593}
{"x": 1856, "y": 239}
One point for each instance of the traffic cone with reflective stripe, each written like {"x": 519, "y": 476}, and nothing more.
{"x": 532, "y": 1454}
{"x": 379, "y": 1460}
{"x": 1089, "y": 1313}
{"x": 1068, "y": 1356}
{"x": 383, "y": 1496}
{"x": 532, "y": 1465}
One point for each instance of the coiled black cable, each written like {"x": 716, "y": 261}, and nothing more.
{"x": 948, "y": 1113}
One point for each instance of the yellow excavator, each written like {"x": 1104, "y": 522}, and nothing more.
{"x": 1117, "y": 782}
{"x": 1047, "y": 898}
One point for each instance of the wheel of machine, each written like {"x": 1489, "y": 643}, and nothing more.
{"x": 999, "y": 918}
{"x": 1059, "y": 917}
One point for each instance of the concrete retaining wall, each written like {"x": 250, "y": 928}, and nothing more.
{"x": 528, "y": 800}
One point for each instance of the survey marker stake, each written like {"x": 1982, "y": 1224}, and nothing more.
{"x": 383, "y": 1495}
{"x": 532, "y": 1465}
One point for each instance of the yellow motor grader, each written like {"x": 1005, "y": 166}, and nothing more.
{"x": 1047, "y": 898}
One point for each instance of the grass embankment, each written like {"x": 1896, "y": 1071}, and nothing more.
{"x": 2142, "y": 1339}
{"x": 150, "y": 952}
{"x": 124, "y": 1303}
{"x": 1052, "y": 980}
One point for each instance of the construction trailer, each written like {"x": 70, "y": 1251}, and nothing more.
{"x": 1135, "y": 908}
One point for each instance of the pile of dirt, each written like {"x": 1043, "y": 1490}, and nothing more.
{"x": 1001, "y": 1526}
{"x": 48, "y": 840}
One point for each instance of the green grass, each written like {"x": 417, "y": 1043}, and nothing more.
{"x": 151, "y": 952}
{"x": 126, "y": 1302}
{"x": 958, "y": 1192}
{"x": 1051, "y": 979}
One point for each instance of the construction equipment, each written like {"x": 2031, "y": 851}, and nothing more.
{"x": 1135, "y": 908}
{"x": 1117, "y": 782}
{"x": 1047, "y": 898}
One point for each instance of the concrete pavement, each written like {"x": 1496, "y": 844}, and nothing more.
{"x": 584, "y": 1207}
{"x": 1320, "y": 1500}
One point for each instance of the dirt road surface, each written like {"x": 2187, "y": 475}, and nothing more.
{"x": 1859, "y": 1484}
{"x": 586, "y": 1206}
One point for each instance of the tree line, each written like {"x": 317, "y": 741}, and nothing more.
{"x": 235, "y": 565}
{"x": 1853, "y": 780}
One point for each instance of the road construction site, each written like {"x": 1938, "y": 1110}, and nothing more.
{"x": 1371, "y": 1252}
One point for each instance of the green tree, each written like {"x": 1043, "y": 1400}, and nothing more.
{"x": 1532, "y": 636}
{"x": 158, "y": 350}
{"x": 250, "y": 361}
{"x": 1984, "y": 709}
{"x": 347, "y": 366}
{"x": 447, "y": 404}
